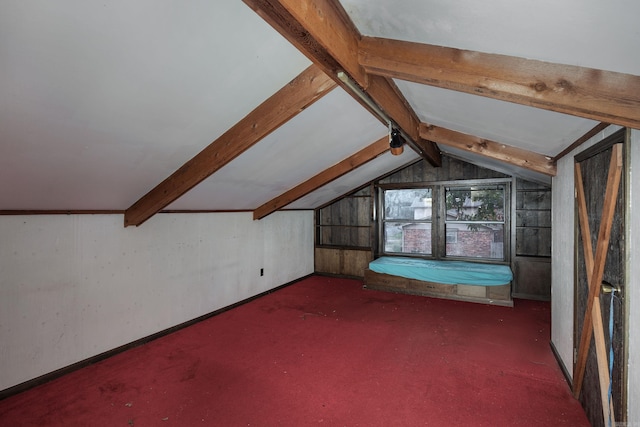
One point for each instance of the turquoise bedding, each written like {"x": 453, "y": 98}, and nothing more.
{"x": 447, "y": 272}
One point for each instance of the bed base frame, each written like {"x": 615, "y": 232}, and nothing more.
{"x": 494, "y": 295}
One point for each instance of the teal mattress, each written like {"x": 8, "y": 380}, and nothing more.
{"x": 446, "y": 272}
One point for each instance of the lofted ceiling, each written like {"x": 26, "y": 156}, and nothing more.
{"x": 236, "y": 105}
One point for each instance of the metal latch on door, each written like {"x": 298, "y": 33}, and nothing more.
{"x": 607, "y": 288}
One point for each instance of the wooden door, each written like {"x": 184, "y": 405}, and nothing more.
{"x": 595, "y": 168}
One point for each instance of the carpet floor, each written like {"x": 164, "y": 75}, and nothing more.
{"x": 324, "y": 351}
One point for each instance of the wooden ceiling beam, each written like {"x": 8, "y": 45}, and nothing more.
{"x": 347, "y": 165}
{"x": 293, "y": 98}
{"x": 491, "y": 149}
{"x": 388, "y": 94}
{"x": 594, "y": 94}
{"x": 281, "y": 19}
{"x": 323, "y": 32}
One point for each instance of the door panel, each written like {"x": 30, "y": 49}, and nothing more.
{"x": 594, "y": 165}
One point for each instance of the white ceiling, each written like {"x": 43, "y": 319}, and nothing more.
{"x": 533, "y": 129}
{"x": 101, "y": 101}
{"x": 588, "y": 33}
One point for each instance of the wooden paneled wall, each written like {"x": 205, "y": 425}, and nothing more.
{"x": 533, "y": 219}
{"x": 452, "y": 170}
{"x": 346, "y": 232}
{"x": 342, "y": 261}
{"x": 347, "y": 222}
{"x": 532, "y": 257}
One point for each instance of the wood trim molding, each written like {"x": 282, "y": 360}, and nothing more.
{"x": 60, "y": 212}
{"x": 120, "y": 212}
{"x": 491, "y": 149}
{"x": 584, "y": 138}
{"x": 345, "y": 166}
{"x": 585, "y": 92}
{"x": 322, "y": 31}
{"x": 561, "y": 364}
{"x": 293, "y": 98}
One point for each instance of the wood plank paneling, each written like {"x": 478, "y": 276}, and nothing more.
{"x": 533, "y": 241}
{"x": 497, "y": 295}
{"x": 452, "y": 170}
{"x": 532, "y": 278}
{"x": 327, "y": 260}
{"x": 348, "y": 222}
{"x": 342, "y": 262}
{"x": 532, "y": 261}
{"x": 533, "y": 219}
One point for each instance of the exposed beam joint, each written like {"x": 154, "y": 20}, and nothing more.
{"x": 293, "y": 98}
{"x": 281, "y": 19}
{"x": 584, "y": 92}
{"x": 426, "y": 149}
{"x": 323, "y": 32}
{"x": 386, "y": 93}
{"x": 491, "y": 149}
{"x": 347, "y": 165}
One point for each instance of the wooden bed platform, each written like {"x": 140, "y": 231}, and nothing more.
{"x": 495, "y": 295}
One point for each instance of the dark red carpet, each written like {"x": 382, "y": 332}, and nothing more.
{"x": 324, "y": 352}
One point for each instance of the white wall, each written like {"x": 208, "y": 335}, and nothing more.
{"x": 74, "y": 286}
{"x": 562, "y": 272}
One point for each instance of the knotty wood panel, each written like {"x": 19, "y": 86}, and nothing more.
{"x": 355, "y": 262}
{"x": 533, "y": 241}
{"x": 452, "y": 169}
{"x": 532, "y": 278}
{"x": 347, "y": 221}
{"x": 533, "y": 220}
{"x": 342, "y": 261}
{"x": 327, "y": 260}
{"x": 537, "y": 218}
{"x": 533, "y": 199}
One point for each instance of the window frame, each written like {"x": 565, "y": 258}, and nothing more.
{"x": 383, "y": 219}
{"x": 438, "y": 220}
{"x": 479, "y": 186}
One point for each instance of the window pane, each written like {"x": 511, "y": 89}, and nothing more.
{"x": 475, "y": 204}
{"x": 407, "y": 237}
{"x": 475, "y": 222}
{"x": 475, "y": 240}
{"x": 408, "y": 204}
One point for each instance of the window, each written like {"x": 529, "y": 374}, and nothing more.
{"x": 461, "y": 219}
{"x": 476, "y": 215}
{"x": 407, "y": 221}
